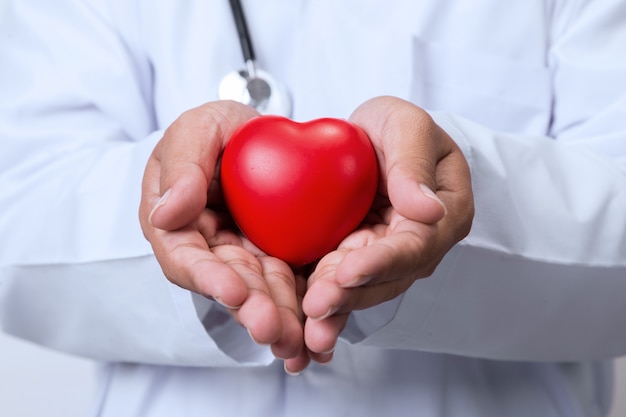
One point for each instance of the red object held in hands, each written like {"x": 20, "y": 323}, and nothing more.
{"x": 296, "y": 190}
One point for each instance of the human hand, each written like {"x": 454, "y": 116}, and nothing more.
{"x": 197, "y": 245}
{"x": 409, "y": 229}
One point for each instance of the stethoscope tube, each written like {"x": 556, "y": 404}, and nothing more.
{"x": 242, "y": 31}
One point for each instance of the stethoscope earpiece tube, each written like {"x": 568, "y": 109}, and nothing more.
{"x": 242, "y": 31}
{"x": 252, "y": 86}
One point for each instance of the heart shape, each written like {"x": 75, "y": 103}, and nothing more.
{"x": 296, "y": 190}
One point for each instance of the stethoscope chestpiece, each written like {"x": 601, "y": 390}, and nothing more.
{"x": 259, "y": 90}
{"x": 251, "y": 85}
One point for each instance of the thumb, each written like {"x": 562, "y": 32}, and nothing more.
{"x": 408, "y": 148}
{"x": 183, "y": 163}
{"x": 411, "y": 194}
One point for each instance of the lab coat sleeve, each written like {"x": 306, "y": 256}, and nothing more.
{"x": 542, "y": 274}
{"x": 76, "y": 129}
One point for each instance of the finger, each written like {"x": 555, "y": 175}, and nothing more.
{"x": 320, "y": 336}
{"x": 322, "y": 358}
{"x": 325, "y": 297}
{"x": 187, "y": 262}
{"x": 353, "y": 277}
{"x": 345, "y": 300}
{"x": 258, "y": 313}
{"x": 186, "y": 159}
{"x": 297, "y": 364}
{"x": 322, "y": 298}
{"x": 409, "y": 145}
{"x": 282, "y": 287}
{"x": 411, "y": 250}
{"x": 383, "y": 252}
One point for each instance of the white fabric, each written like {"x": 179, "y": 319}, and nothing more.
{"x": 520, "y": 318}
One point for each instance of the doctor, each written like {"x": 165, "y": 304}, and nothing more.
{"x": 519, "y": 318}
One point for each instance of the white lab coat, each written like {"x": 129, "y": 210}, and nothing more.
{"x": 518, "y": 320}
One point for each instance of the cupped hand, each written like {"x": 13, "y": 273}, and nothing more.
{"x": 424, "y": 206}
{"x": 195, "y": 242}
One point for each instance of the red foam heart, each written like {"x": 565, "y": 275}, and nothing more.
{"x": 297, "y": 189}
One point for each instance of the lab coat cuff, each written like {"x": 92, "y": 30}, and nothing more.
{"x": 363, "y": 323}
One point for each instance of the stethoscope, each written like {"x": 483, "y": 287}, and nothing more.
{"x": 251, "y": 85}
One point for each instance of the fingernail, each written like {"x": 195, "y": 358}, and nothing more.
{"x": 431, "y": 194}
{"x": 332, "y": 310}
{"x": 290, "y": 373}
{"x": 328, "y": 352}
{"x": 159, "y": 203}
{"x": 328, "y": 360}
{"x": 254, "y": 340}
{"x": 219, "y": 300}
